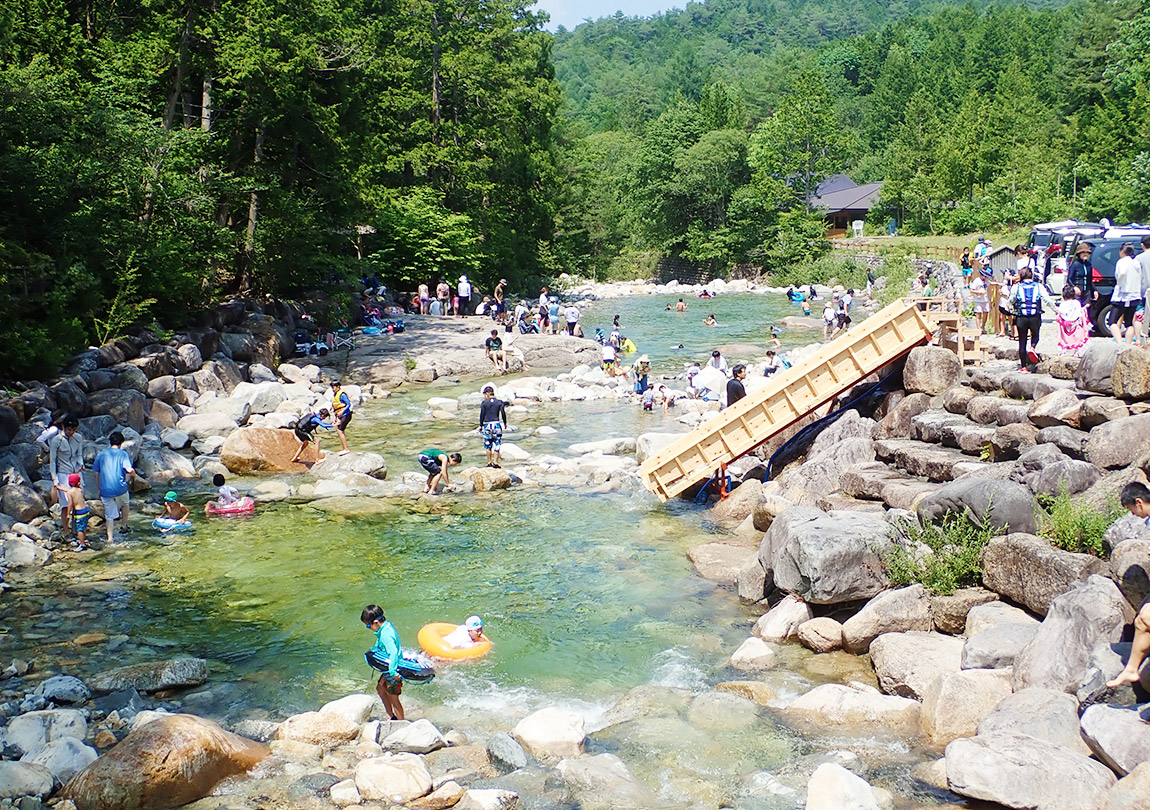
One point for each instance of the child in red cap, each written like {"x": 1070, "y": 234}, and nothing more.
{"x": 79, "y": 509}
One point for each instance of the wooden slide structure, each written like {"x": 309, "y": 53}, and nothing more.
{"x": 793, "y": 393}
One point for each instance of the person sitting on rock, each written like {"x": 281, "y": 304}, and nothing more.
{"x": 465, "y": 635}
{"x": 305, "y": 431}
{"x": 495, "y": 351}
{"x": 1136, "y": 498}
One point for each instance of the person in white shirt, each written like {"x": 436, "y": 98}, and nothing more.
{"x": 463, "y": 290}
{"x": 608, "y": 363}
{"x": 1144, "y": 264}
{"x": 543, "y": 298}
{"x": 571, "y": 315}
{"x": 466, "y": 635}
{"x": 1127, "y": 294}
{"x": 718, "y": 361}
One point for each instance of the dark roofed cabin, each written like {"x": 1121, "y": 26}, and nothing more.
{"x": 842, "y": 202}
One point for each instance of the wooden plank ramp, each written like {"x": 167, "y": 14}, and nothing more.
{"x": 787, "y": 397}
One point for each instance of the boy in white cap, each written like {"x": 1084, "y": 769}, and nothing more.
{"x": 467, "y": 634}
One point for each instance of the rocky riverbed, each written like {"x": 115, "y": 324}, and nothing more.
{"x": 996, "y": 691}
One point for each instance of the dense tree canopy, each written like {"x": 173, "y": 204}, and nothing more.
{"x": 155, "y": 157}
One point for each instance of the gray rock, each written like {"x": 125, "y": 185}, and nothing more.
{"x": 1130, "y": 567}
{"x": 899, "y": 422}
{"x": 22, "y": 502}
{"x": 826, "y": 559}
{"x": 152, "y": 677}
{"x": 956, "y": 702}
{"x": 893, "y": 611}
{"x": 1030, "y": 571}
{"x": 95, "y": 428}
{"x": 1057, "y": 657}
{"x": 822, "y": 474}
{"x": 1118, "y": 735}
{"x": 64, "y": 689}
{"x": 996, "y": 647}
{"x": 1045, "y": 714}
{"x": 24, "y": 779}
{"x": 1096, "y": 410}
{"x": 907, "y": 663}
{"x": 1059, "y": 407}
{"x": 161, "y": 465}
{"x": 1070, "y": 475}
{"x": 1106, "y": 661}
{"x": 603, "y": 782}
{"x": 648, "y": 444}
{"x": 33, "y": 729}
{"x": 336, "y": 466}
{"x": 1015, "y": 770}
{"x": 782, "y": 622}
{"x": 189, "y": 358}
{"x": 1131, "y": 375}
{"x": 949, "y": 611}
{"x": 505, "y": 753}
{"x": 1119, "y": 443}
{"x": 1070, "y": 441}
{"x": 64, "y": 757}
{"x": 420, "y": 737}
{"x": 204, "y": 425}
{"x": 833, "y": 787}
{"x": 127, "y": 407}
{"x": 1096, "y": 367}
{"x": 994, "y": 503}
{"x": 930, "y": 370}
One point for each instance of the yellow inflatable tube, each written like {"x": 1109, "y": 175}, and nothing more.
{"x": 431, "y": 640}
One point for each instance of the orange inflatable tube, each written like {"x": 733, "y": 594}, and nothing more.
{"x": 431, "y": 640}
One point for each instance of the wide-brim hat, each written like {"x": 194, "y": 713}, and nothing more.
{"x": 644, "y": 358}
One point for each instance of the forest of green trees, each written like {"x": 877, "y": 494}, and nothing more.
{"x": 157, "y": 157}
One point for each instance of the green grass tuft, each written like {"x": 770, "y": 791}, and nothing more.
{"x": 940, "y": 557}
{"x": 1076, "y": 527}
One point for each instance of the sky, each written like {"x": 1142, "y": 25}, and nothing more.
{"x": 570, "y": 13}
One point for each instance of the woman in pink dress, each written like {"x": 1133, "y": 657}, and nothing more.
{"x": 1073, "y": 323}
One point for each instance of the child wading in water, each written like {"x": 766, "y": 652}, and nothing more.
{"x": 1136, "y": 498}
{"x": 390, "y": 684}
{"x": 79, "y": 509}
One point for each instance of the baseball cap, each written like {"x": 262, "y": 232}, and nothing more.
{"x": 74, "y": 480}
{"x": 473, "y": 622}
{"x": 715, "y": 353}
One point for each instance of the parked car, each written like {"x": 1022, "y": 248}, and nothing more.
{"x": 1104, "y": 259}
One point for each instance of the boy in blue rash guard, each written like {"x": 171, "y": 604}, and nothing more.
{"x": 305, "y": 431}
{"x": 390, "y": 684}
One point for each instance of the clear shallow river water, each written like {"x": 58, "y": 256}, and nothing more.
{"x": 585, "y": 595}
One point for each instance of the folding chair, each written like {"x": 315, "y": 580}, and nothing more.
{"x": 343, "y": 339}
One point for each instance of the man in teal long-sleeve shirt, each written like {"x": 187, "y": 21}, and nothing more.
{"x": 390, "y": 684}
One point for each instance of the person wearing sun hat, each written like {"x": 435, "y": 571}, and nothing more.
{"x": 467, "y": 634}
{"x": 641, "y": 368}
{"x": 1078, "y": 275}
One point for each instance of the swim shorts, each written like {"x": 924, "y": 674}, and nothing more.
{"x": 431, "y": 465}
{"x": 393, "y": 683}
{"x": 343, "y": 420}
{"x": 492, "y": 433}
{"x": 80, "y": 519}
{"x": 303, "y": 437}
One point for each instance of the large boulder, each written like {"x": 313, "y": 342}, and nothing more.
{"x": 890, "y": 612}
{"x": 898, "y": 423}
{"x": 855, "y": 711}
{"x": 993, "y": 614}
{"x": 551, "y": 734}
{"x": 262, "y": 397}
{"x": 821, "y": 474}
{"x": 22, "y": 502}
{"x": 161, "y": 465}
{"x": 486, "y": 479}
{"x": 753, "y": 654}
{"x": 930, "y": 370}
{"x": 648, "y": 444}
{"x": 603, "y": 782}
{"x": 152, "y": 677}
{"x": 1030, "y": 571}
{"x": 256, "y": 449}
{"x": 1118, "y": 735}
{"x": 420, "y": 737}
{"x": 1022, "y": 772}
{"x": 19, "y": 779}
{"x": 205, "y": 425}
{"x": 1131, "y": 374}
{"x": 166, "y": 763}
{"x": 1068, "y": 475}
{"x": 1130, "y": 566}
{"x": 908, "y": 663}
{"x": 125, "y": 406}
{"x": 956, "y": 702}
{"x": 1119, "y": 443}
{"x": 1057, "y": 657}
{"x": 721, "y": 562}
{"x": 999, "y": 504}
{"x": 826, "y": 559}
{"x": 949, "y": 611}
{"x": 1097, "y": 365}
{"x": 1132, "y": 791}
{"x": 821, "y": 634}
{"x": 393, "y": 778}
{"x": 1049, "y": 715}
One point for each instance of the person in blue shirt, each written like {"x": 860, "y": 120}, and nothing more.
{"x": 305, "y": 431}
{"x": 341, "y": 407}
{"x": 390, "y": 684}
{"x": 113, "y": 469}
{"x": 1136, "y": 498}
